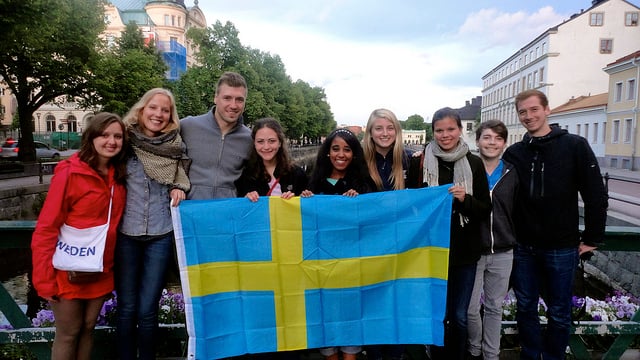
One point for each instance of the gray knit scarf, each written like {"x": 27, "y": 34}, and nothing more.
{"x": 162, "y": 157}
{"x": 461, "y": 168}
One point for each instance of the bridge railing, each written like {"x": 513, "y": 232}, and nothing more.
{"x": 17, "y": 234}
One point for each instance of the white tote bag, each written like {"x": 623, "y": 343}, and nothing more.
{"x": 82, "y": 249}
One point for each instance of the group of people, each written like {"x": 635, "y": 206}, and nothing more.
{"x": 502, "y": 210}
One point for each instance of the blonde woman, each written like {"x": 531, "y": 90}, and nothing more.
{"x": 390, "y": 164}
{"x": 156, "y": 179}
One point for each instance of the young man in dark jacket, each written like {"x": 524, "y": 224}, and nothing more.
{"x": 553, "y": 167}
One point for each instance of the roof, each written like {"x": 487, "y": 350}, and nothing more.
{"x": 125, "y": 5}
{"x": 626, "y": 58}
{"x": 582, "y": 102}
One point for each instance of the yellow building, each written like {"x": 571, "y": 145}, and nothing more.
{"x": 622, "y": 141}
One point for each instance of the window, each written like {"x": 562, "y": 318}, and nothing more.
{"x": 606, "y": 46}
{"x": 167, "y": 20}
{"x": 72, "y": 124}
{"x": 578, "y": 129}
{"x": 595, "y": 133}
{"x": 544, "y": 48}
{"x": 615, "y": 132}
{"x": 173, "y": 20}
{"x": 596, "y": 19}
{"x": 469, "y": 126}
{"x": 604, "y": 131}
{"x": 627, "y": 130}
{"x": 529, "y": 84}
{"x": 542, "y": 74}
{"x": 631, "y": 19}
{"x": 631, "y": 89}
{"x": 586, "y": 131}
{"x": 51, "y": 123}
{"x": 111, "y": 40}
{"x": 535, "y": 78}
{"x": 617, "y": 92}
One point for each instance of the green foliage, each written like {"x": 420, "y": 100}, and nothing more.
{"x": 301, "y": 108}
{"x": 414, "y": 122}
{"x": 125, "y": 72}
{"x": 47, "y": 51}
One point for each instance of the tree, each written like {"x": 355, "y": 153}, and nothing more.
{"x": 125, "y": 72}
{"x": 415, "y": 122}
{"x": 302, "y": 110}
{"x": 47, "y": 51}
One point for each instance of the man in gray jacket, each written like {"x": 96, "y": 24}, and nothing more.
{"x": 218, "y": 143}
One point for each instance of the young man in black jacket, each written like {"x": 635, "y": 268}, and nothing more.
{"x": 553, "y": 167}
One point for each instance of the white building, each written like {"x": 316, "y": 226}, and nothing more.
{"x": 585, "y": 116}
{"x": 414, "y": 137}
{"x": 563, "y": 62}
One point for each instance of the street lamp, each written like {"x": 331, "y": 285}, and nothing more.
{"x": 38, "y": 115}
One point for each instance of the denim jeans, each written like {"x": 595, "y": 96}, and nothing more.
{"x": 492, "y": 282}
{"x": 549, "y": 273}
{"x": 459, "y": 288}
{"x": 140, "y": 275}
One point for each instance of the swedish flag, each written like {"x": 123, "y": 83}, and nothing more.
{"x": 313, "y": 272}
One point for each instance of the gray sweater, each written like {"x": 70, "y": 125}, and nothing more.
{"x": 217, "y": 160}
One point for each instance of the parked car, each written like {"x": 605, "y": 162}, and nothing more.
{"x": 10, "y": 148}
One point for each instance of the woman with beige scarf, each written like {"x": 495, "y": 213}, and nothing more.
{"x": 448, "y": 161}
{"x": 156, "y": 179}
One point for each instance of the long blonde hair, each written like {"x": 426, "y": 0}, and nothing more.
{"x": 133, "y": 116}
{"x": 369, "y": 147}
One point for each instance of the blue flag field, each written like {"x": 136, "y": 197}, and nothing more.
{"x": 304, "y": 273}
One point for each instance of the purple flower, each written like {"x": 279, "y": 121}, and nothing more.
{"x": 44, "y": 318}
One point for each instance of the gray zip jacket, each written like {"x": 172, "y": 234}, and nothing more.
{"x": 217, "y": 160}
{"x": 498, "y": 232}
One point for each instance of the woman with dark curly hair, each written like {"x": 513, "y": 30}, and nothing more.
{"x": 340, "y": 167}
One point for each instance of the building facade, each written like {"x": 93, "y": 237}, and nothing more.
{"x": 565, "y": 61}
{"x": 165, "y": 22}
{"x": 414, "y": 137}
{"x": 622, "y": 142}
{"x": 469, "y": 114}
{"x": 585, "y": 116}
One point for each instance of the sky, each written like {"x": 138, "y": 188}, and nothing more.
{"x": 412, "y": 57}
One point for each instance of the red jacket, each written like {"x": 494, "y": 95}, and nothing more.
{"x": 82, "y": 201}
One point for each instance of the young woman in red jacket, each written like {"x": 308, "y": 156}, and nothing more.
{"x": 79, "y": 196}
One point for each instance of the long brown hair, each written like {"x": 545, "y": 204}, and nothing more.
{"x": 88, "y": 152}
{"x": 283, "y": 160}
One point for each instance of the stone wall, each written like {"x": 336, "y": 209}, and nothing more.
{"x": 618, "y": 269}
{"x": 22, "y": 203}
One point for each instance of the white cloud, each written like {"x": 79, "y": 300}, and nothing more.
{"x": 415, "y": 75}
{"x": 491, "y": 28}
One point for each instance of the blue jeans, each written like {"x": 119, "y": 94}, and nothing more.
{"x": 459, "y": 288}
{"x": 549, "y": 273}
{"x": 140, "y": 275}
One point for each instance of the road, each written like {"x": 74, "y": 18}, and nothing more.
{"x": 624, "y": 199}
